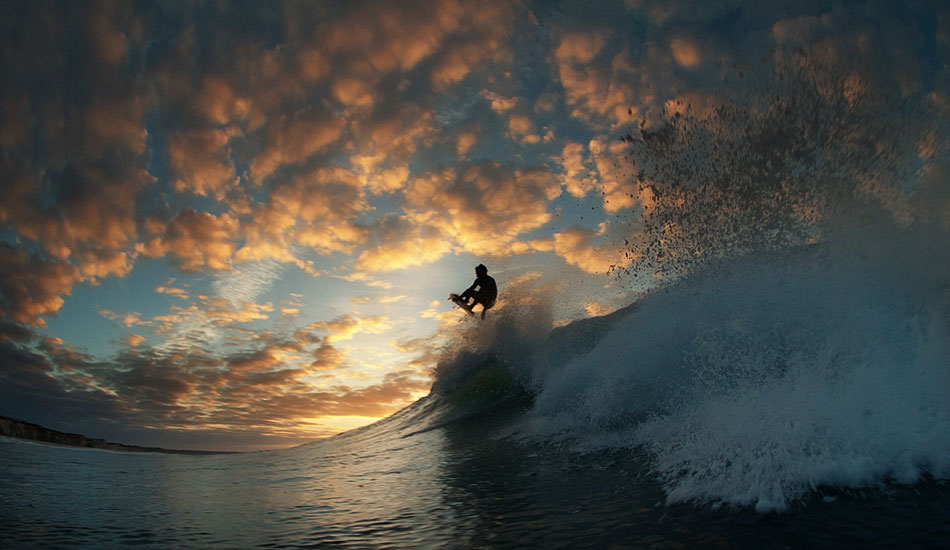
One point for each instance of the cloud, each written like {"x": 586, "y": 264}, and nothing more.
{"x": 389, "y": 36}
{"x": 85, "y": 207}
{"x": 15, "y": 333}
{"x": 598, "y": 83}
{"x": 167, "y": 288}
{"x": 403, "y": 246}
{"x": 347, "y": 326}
{"x": 483, "y": 41}
{"x": 292, "y": 139}
{"x": 241, "y": 392}
{"x": 615, "y": 179}
{"x": 116, "y": 122}
{"x": 499, "y": 104}
{"x": 218, "y": 102}
{"x": 247, "y": 281}
{"x": 578, "y": 178}
{"x": 327, "y": 357}
{"x": 483, "y": 207}
{"x": 595, "y": 168}
{"x": 396, "y": 390}
{"x": 579, "y": 247}
{"x": 126, "y": 319}
{"x": 523, "y": 129}
{"x": 580, "y": 47}
{"x": 31, "y": 287}
{"x": 197, "y": 240}
{"x": 466, "y": 140}
{"x": 222, "y": 311}
{"x": 314, "y": 209}
{"x": 354, "y": 92}
{"x": 201, "y": 162}
{"x": 29, "y": 390}
{"x": 132, "y": 340}
{"x": 686, "y": 52}
{"x": 17, "y": 122}
{"x": 387, "y": 180}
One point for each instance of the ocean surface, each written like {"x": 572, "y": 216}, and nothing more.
{"x": 797, "y": 399}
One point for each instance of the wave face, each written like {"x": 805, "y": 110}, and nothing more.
{"x": 764, "y": 378}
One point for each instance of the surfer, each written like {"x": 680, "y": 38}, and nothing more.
{"x": 483, "y": 291}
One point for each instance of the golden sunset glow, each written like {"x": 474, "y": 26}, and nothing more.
{"x": 244, "y": 220}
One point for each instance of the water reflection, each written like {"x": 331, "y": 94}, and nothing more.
{"x": 413, "y": 481}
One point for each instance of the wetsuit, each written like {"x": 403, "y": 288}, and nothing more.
{"x": 486, "y": 293}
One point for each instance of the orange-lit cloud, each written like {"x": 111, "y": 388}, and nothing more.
{"x": 465, "y": 142}
{"x": 127, "y": 319}
{"x": 686, "y": 52}
{"x": 222, "y": 311}
{"x": 293, "y": 139}
{"x": 484, "y": 32}
{"x": 500, "y": 104}
{"x": 200, "y": 159}
{"x": 197, "y": 239}
{"x": 578, "y": 178}
{"x": 404, "y": 248}
{"x": 313, "y": 209}
{"x": 580, "y": 247}
{"x": 594, "y": 88}
{"x": 484, "y": 207}
{"x": 95, "y": 208}
{"x": 171, "y": 290}
{"x": 327, "y": 357}
{"x": 133, "y": 340}
{"x": 347, "y": 326}
{"x": 218, "y": 102}
{"x": 523, "y": 129}
{"x": 31, "y": 287}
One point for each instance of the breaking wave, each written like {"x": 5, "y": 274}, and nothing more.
{"x": 802, "y": 339}
{"x": 753, "y": 381}
{"x": 768, "y": 377}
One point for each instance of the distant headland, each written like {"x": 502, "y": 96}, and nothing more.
{"x": 19, "y": 429}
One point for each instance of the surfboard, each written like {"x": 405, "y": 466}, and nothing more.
{"x": 457, "y": 300}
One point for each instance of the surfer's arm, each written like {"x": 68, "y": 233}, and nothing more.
{"x": 468, "y": 293}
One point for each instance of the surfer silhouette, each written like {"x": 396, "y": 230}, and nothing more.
{"x": 483, "y": 291}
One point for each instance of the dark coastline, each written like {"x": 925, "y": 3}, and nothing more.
{"x": 19, "y": 429}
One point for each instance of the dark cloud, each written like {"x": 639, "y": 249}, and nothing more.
{"x": 30, "y": 286}
{"x": 15, "y": 333}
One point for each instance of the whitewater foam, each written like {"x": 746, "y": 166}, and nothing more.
{"x": 765, "y": 377}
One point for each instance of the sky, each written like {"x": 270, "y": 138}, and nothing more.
{"x": 234, "y": 225}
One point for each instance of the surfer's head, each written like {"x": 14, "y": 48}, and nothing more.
{"x": 480, "y": 270}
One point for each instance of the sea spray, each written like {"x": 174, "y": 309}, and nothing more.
{"x": 799, "y": 334}
{"x": 762, "y": 378}
{"x": 510, "y": 336}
